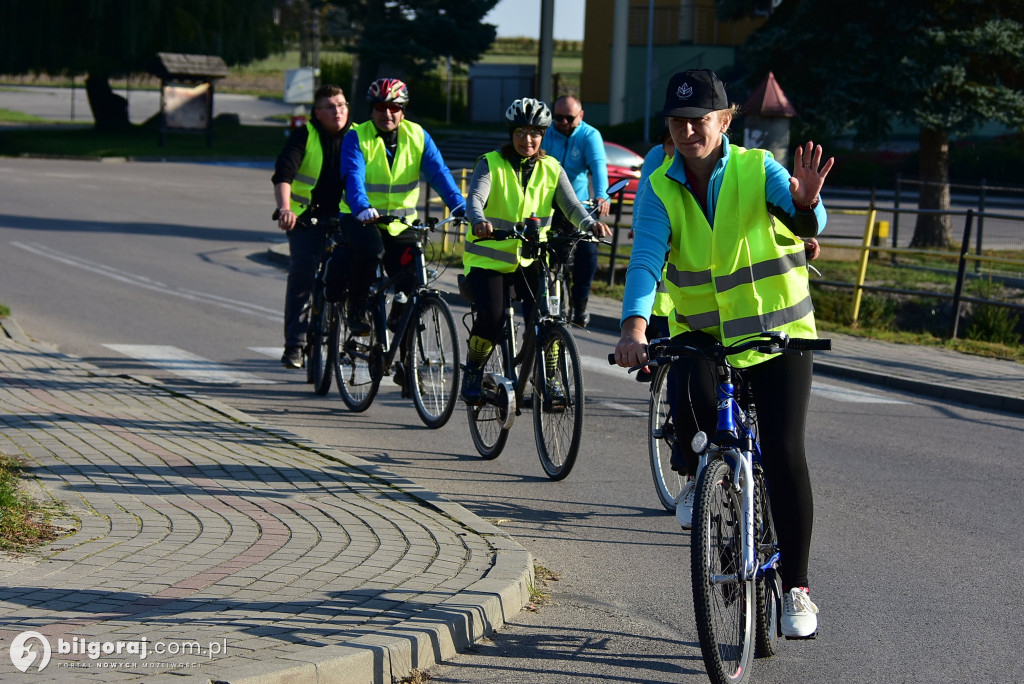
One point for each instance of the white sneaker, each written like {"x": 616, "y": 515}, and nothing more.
{"x": 799, "y": 615}
{"x": 684, "y": 504}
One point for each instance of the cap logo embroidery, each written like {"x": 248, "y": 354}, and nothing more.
{"x": 684, "y": 91}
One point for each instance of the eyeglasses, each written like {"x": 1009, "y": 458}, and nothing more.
{"x": 387, "y": 107}
{"x": 565, "y": 118}
{"x": 531, "y": 132}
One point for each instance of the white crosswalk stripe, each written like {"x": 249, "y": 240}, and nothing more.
{"x": 188, "y": 365}
{"x": 592, "y": 364}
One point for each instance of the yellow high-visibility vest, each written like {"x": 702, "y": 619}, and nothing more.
{"x": 748, "y": 274}
{"x": 308, "y": 174}
{"x": 392, "y": 189}
{"x": 508, "y": 204}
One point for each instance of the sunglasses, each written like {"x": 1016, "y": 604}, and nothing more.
{"x": 565, "y": 117}
{"x": 387, "y": 107}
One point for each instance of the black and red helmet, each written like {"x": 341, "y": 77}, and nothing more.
{"x": 388, "y": 90}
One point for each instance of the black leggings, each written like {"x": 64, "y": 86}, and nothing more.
{"x": 488, "y": 289}
{"x": 781, "y": 388}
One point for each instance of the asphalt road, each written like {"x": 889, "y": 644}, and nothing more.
{"x": 917, "y": 544}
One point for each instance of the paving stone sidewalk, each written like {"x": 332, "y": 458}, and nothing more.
{"x": 244, "y": 552}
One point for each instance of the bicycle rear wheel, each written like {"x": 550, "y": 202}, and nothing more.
{"x": 661, "y": 436}
{"x": 768, "y": 588}
{"x": 433, "y": 362}
{"x": 558, "y": 420}
{"x": 358, "y": 367}
{"x": 723, "y": 604}
{"x": 323, "y": 343}
{"x": 487, "y": 421}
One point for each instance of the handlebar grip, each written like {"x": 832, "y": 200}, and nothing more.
{"x": 611, "y": 359}
{"x": 502, "y": 234}
{"x": 803, "y": 344}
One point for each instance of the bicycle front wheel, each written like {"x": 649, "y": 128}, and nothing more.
{"x": 722, "y": 602}
{"x": 487, "y": 421}
{"x": 357, "y": 367}
{"x": 557, "y": 400}
{"x": 323, "y": 345}
{"x": 661, "y": 436}
{"x": 433, "y": 361}
{"x": 769, "y": 586}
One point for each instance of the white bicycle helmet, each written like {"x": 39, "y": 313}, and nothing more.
{"x": 528, "y": 111}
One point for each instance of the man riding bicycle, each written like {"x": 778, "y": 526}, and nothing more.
{"x": 307, "y": 184}
{"x": 508, "y": 186}
{"x": 381, "y": 162}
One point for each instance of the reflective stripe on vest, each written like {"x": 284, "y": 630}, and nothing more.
{"x": 392, "y": 189}
{"x": 309, "y": 173}
{"x": 748, "y": 274}
{"x": 507, "y": 205}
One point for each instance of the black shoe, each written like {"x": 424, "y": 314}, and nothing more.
{"x": 554, "y": 396}
{"x": 581, "y": 318}
{"x": 357, "y": 323}
{"x": 472, "y": 384}
{"x": 292, "y": 357}
{"x": 398, "y": 374}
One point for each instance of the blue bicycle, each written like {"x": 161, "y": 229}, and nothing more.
{"x": 734, "y": 555}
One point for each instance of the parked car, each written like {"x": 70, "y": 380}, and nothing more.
{"x": 623, "y": 163}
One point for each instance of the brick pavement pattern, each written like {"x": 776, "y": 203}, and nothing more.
{"x": 195, "y": 523}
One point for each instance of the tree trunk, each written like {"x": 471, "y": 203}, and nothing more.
{"x": 110, "y": 111}
{"x": 933, "y": 230}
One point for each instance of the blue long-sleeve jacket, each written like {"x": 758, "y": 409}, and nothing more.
{"x": 578, "y": 153}
{"x": 432, "y": 167}
{"x": 652, "y": 228}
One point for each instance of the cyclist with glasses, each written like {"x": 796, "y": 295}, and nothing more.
{"x": 510, "y": 185}
{"x": 579, "y": 148}
{"x": 307, "y": 184}
{"x": 381, "y": 162}
{"x": 729, "y": 222}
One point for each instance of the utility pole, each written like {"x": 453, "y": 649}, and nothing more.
{"x": 547, "y": 50}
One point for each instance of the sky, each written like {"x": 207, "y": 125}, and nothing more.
{"x": 522, "y": 18}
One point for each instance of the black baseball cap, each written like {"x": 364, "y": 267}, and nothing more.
{"x": 692, "y": 94}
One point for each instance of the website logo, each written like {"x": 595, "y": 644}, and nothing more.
{"x": 24, "y": 653}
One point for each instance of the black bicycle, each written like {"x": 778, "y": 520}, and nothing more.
{"x": 322, "y": 314}
{"x": 548, "y": 360}
{"x": 421, "y": 352}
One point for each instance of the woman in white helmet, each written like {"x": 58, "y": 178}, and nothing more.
{"x": 508, "y": 186}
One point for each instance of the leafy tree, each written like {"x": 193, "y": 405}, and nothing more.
{"x": 105, "y": 38}
{"x": 405, "y": 38}
{"x": 944, "y": 66}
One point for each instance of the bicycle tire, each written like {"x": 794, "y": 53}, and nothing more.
{"x": 321, "y": 348}
{"x": 558, "y": 426}
{"x": 487, "y": 420}
{"x": 433, "y": 361}
{"x": 357, "y": 368}
{"x": 723, "y": 604}
{"x": 768, "y": 588}
{"x": 660, "y": 438}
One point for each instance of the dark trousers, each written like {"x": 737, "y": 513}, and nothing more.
{"x": 584, "y": 265}
{"x": 353, "y": 265}
{"x": 488, "y": 288}
{"x": 305, "y": 245}
{"x": 781, "y": 388}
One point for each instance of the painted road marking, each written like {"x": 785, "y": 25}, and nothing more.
{"x": 188, "y": 365}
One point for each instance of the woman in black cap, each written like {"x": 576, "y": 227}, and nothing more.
{"x": 743, "y": 208}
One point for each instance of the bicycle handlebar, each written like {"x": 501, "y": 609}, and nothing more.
{"x": 663, "y": 350}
